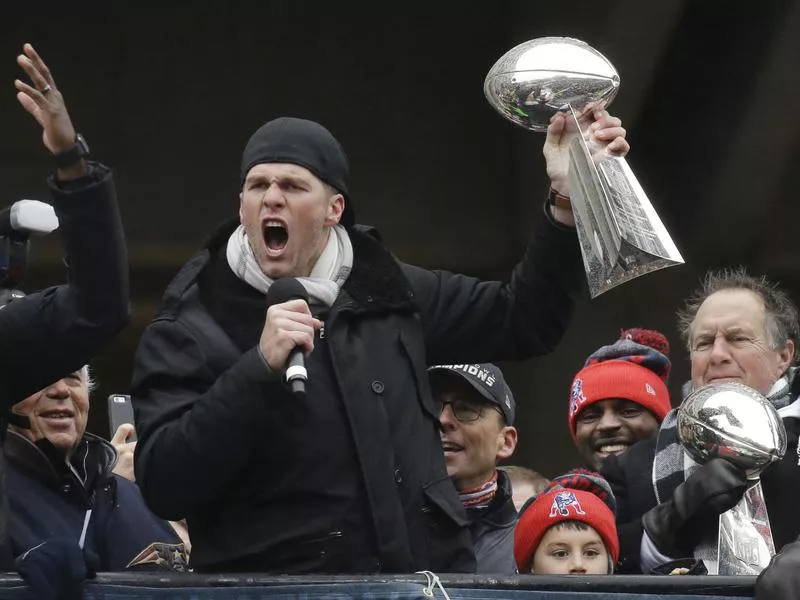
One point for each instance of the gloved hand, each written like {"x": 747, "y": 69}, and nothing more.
{"x": 676, "y": 525}
{"x": 53, "y": 570}
{"x": 781, "y": 578}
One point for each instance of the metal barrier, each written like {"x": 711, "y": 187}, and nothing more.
{"x": 163, "y": 586}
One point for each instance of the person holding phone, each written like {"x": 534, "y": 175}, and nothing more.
{"x": 62, "y": 483}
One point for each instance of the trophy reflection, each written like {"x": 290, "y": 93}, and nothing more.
{"x": 735, "y": 422}
{"x": 621, "y": 236}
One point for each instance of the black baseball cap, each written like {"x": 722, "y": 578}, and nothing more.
{"x": 488, "y": 381}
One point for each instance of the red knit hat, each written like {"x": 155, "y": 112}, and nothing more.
{"x": 580, "y": 495}
{"x": 635, "y": 368}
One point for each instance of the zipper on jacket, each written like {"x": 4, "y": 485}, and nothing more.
{"x": 331, "y": 535}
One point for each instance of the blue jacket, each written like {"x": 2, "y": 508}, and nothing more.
{"x": 50, "y": 499}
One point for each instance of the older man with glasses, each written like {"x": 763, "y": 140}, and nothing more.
{"x": 476, "y": 411}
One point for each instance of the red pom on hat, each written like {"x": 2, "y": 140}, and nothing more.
{"x": 647, "y": 337}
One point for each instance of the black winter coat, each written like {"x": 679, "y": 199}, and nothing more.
{"x": 50, "y": 500}
{"x": 352, "y": 478}
{"x": 49, "y": 334}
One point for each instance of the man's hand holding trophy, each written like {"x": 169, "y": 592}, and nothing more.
{"x": 563, "y": 86}
{"x": 732, "y": 422}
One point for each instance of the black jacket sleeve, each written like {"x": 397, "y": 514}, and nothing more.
{"x": 629, "y": 525}
{"x": 469, "y": 320}
{"x": 204, "y": 406}
{"x": 46, "y": 335}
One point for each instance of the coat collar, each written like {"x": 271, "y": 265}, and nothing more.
{"x": 94, "y": 456}
{"x": 377, "y": 283}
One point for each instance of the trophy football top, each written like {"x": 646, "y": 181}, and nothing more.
{"x": 731, "y": 421}
{"x": 540, "y": 77}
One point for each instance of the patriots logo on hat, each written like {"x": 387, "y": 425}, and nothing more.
{"x": 563, "y": 502}
{"x": 649, "y": 389}
{"x": 576, "y": 396}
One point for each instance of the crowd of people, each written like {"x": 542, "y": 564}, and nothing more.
{"x": 390, "y": 458}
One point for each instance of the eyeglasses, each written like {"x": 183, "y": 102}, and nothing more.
{"x": 464, "y": 411}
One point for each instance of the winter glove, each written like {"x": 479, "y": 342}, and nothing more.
{"x": 781, "y": 578}
{"x": 53, "y": 570}
{"x": 677, "y": 525}
{"x": 681, "y": 566}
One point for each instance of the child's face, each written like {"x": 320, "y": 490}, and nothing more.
{"x": 566, "y": 550}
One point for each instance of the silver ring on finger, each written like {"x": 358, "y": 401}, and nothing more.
{"x": 45, "y": 89}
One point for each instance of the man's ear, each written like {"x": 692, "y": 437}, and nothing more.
{"x": 335, "y": 210}
{"x": 240, "y": 207}
{"x": 506, "y": 442}
{"x": 786, "y": 356}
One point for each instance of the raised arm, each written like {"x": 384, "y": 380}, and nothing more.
{"x": 45, "y": 335}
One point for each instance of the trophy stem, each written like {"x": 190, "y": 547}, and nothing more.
{"x": 745, "y": 537}
{"x": 620, "y": 234}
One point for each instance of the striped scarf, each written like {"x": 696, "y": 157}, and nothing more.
{"x": 672, "y": 465}
{"x": 480, "y": 498}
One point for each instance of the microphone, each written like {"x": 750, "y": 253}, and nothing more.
{"x": 282, "y": 290}
{"x": 28, "y": 216}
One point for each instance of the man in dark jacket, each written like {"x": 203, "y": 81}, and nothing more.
{"x": 351, "y": 476}
{"x": 476, "y": 410}
{"x": 738, "y": 328}
{"x": 61, "y": 484}
{"x": 45, "y": 335}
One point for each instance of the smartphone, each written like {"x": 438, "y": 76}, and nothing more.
{"x": 120, "y": 410}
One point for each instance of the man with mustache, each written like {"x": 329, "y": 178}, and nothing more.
{"x": 737, "y": 328}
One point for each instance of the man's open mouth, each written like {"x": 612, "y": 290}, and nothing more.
{"x": 276, "y": 236}
{"x": 56, "y": 415}
{"x": 609, "y": 448}
{"x": 451, "y": 447}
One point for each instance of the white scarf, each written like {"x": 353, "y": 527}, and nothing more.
{"x": 327, "y": 277}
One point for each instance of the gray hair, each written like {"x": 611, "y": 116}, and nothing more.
{"x": 86, "y": 373}
{"x": 781, "y": 321}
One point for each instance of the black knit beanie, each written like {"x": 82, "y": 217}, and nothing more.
{"x": 305, "y": 143}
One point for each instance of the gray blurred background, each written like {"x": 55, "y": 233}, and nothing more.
{"x": 168, "y": 98}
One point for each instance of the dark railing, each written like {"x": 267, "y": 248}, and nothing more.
{"x": 127, "y": 586}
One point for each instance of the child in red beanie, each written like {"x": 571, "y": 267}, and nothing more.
{"x": 569, "y": 528}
